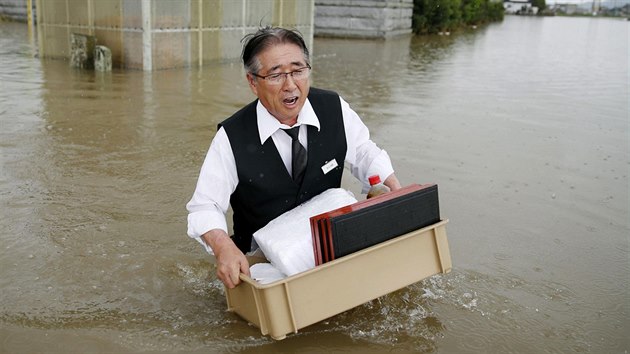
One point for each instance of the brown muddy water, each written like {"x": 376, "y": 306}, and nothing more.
{"x": 522, "y": 124}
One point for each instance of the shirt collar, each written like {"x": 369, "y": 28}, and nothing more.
{"x": 267, "y": 124}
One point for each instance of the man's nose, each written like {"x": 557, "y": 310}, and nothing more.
{"x": 289, "y": 82}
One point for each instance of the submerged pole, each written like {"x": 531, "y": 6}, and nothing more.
{"x": 147, "y": 40}
{"x": 29, "y": 20}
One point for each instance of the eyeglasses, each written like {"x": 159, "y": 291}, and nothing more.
{"x": 280, "y": 78}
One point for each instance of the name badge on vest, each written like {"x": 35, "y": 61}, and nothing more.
{"x": 329, "y": 166}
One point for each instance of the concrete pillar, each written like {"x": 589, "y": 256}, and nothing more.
{"x": 82, "y": 51}
{"x": 102, "y": 58}
{"x": 147, "y": 38}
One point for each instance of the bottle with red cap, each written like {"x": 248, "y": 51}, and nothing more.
{"x": 377, "y": 187}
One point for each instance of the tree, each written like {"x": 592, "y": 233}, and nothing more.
{"x": 472, "y": 11}
{"x": 540, "y": 4}
{"x": 433, "y": 16}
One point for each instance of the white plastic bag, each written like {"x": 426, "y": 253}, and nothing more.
{"x": 265, "y": 273}
{"x": 286, "y": 241}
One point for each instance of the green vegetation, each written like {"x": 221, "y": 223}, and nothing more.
{"x": 540, "y": 4}
{"x": 434, "y": 16}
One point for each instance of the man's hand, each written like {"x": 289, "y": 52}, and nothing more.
{"x": 230, "y": 260}
{"x": 392, "y": 182}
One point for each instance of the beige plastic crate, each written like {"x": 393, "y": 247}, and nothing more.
{"x": 298, "y": 301}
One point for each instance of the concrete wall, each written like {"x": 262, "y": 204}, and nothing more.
{"x": 363, "y": 18}
{"x": 15, "y": 10}
{"x": 161, "y": 34}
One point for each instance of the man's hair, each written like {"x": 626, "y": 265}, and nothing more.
{"x": 265, "y": 37}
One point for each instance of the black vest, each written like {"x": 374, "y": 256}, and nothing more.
{"x": 265, "y": 189}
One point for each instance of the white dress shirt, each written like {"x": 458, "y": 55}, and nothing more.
{"x": 218, "y": 177}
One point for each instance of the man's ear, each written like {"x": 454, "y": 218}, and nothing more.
{"x": 251, "y": 80}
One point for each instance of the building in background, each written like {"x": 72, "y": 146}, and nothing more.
{"x": 519, "y": 7}
{"x": 161, "y": 34}
{"x": 156, "y": 34}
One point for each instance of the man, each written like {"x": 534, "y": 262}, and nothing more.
{"x": 255, "y": 164}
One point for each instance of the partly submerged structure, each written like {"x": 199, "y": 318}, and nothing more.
{"x": 160, "y": 34}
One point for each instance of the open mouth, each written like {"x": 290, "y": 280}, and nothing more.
{"x": 290, "y": 100}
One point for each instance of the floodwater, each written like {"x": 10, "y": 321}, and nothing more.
{"x": 522, "y": 124}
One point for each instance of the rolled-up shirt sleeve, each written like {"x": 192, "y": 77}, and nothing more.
{"x": 364, "y": 156}
{"x": 217, "y": 181}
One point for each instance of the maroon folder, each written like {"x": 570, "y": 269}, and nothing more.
{"x": 363, "y": 224}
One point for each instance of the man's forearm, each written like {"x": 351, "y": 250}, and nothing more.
{"x": 230, "y": 260}
{"x": 216, "y": 238}
{"x": 392, "y": 182}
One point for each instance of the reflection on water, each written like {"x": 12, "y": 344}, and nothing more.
{"x": 523, "y": 125}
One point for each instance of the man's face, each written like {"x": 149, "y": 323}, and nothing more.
{"x": 285, "y": 100}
